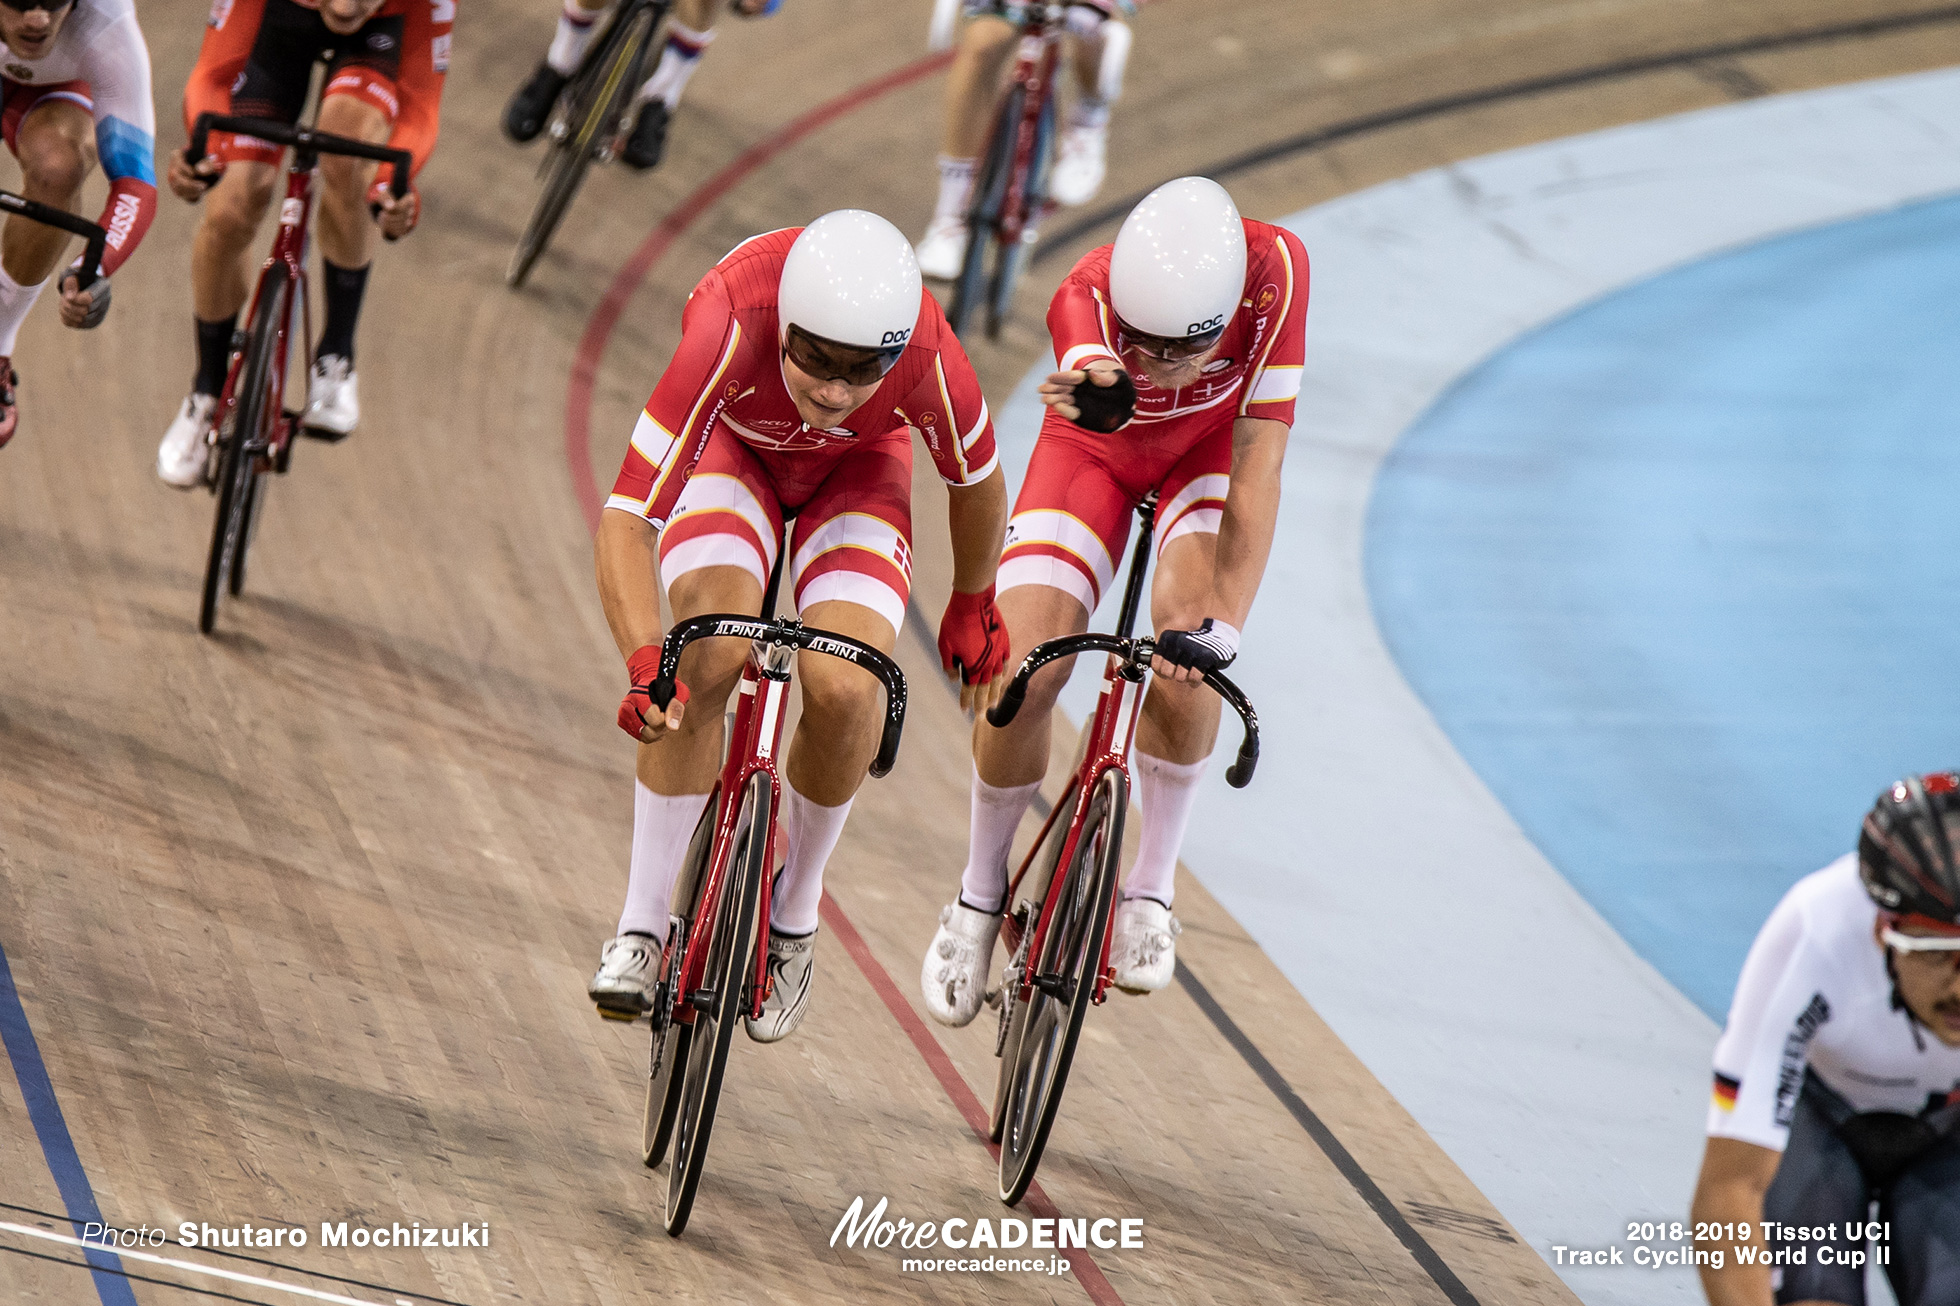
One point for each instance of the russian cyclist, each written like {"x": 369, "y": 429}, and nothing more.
{"x": 1837, "y": 1077}
{"x": 1194, "y": 318}
{"x": 75, "y": 90}
{"x": 1099, "y": 43}
{"x": 807, "y": 359}
{"x": 690, "y": 30}
{"x": 386, "y": 61}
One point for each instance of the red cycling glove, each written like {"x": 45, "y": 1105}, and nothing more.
{"x": 973, "y": 637}
{"x": 643, "y": 668}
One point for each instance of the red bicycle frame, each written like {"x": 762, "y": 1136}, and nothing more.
{"x": 289, "y": 247}
{"x": 1034, "y": 72}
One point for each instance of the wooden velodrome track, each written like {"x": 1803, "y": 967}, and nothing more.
{"x": 299, "y": 915}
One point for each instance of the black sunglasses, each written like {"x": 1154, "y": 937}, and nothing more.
{"x": 1170, "y": 349}
{"x": 23, "y": 6}
{"x": 827, "y": 360}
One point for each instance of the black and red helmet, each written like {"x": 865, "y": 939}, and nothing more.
{"x": 1909, "y": 849}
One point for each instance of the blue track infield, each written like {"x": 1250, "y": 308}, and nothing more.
{"x": 1679, "y": 574}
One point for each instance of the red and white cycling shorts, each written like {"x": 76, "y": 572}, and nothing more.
{"x": 18, "y": 99}
{"x": 1072, "y": 519}
{"x": 853, "y": 535}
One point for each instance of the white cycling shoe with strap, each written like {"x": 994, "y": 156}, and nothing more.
{"x": 623, "y": 987}
{"x": 185, "y": 452}
{"x": 1144, "y": 949}
{"x": 943, "y": 249}
{"x": 792, "y": 962}
{"x": 1080, "y": 164}
{"x": 954, "y": 977}
{"x": 333, "y": 399}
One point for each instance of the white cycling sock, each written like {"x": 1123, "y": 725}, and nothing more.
{"x": 955, "y": 184}
{"x": 996, "y": 815}
{"x": 15, "y": 301}
{"x": 810, "y": 832}
{"x": 1165, "y": 791}
{"x": 1089, "y": 111}
{"x": 575, "y": 27}
{"x": 662, "y": 826}
{"x": 678, "y": 60}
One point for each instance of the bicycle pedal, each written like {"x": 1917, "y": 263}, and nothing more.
{"x": 323, "y": 435}
{"x": 624, "y": 1017}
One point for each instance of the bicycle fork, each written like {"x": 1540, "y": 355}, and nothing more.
{"x": 753, "y": 744}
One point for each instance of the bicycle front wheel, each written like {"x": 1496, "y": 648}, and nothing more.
{"x": 670, "y": 1036}
{"x": 247, "y": 431}
{"x": 1041, "y": 1039}
{"x": 720, "y": 1006}
{"x": 600, "y": 95}
{"x": 983, "y": 213}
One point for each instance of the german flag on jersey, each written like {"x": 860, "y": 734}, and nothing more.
{"x": 1725, "y": 1091}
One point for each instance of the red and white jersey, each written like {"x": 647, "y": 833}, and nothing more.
{"x": 728, "y": 372}
{"x": 1256, "y": 371}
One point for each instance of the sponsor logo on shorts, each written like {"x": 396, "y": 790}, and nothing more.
{"x": 380, "y": 41}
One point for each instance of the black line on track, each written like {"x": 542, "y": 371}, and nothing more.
{"x": 1059, "y": 240}
{"x": 241, "y": 1256}
{"x": 1378, "y": 1202}
{"x": 139, "y": 1278}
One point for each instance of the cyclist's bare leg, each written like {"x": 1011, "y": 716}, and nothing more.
{"x": 233, "y": 209}
{"x": 56, "y": 145}
{"x": 347, "y": 232}
{"x": 971, "y": 84}
{"x": 836, "y": 738}
{"x": 687, "y": 760}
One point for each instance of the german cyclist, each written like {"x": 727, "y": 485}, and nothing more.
{"x": 1837, "y": 1078}
{"x": 807, "y": 359}
{"x": 690, "y": 30}
{"x": 75, "y": 88}
{"x": 1201, "y": 317}
{"x": 1099, "y": 48}
{"x": 386, "y": 60}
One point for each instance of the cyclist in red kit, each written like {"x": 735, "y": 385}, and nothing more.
{"x": 386, "y": 63}
{"x": 807, "y": 359}
{"x": 1179, "y": 352}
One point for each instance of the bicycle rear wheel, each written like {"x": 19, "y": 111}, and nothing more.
{"x": 730, "y": 970}
{"x": 984, "y": 211}
{"x": 1012, "y": 256}
{"x": 670, "y": 1036}
{"x": 1041, "y": 1040}
{"x": 601, "y": 91}
{"x": 246, "y": 432}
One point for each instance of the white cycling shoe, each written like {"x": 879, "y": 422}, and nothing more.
{"x": 186, "y": 450}
{"x": 943, "y": 249}
{"x": 954, "y": 977}
{"x": 333, "y": 399}
{"x": 792, "y": 961}
{"x": 623, "y": 987}
{"x": 1144, "y": 950}
{"x": 1080, "y": 165}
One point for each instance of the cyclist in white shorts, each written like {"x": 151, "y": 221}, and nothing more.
{"x": 1837, "y": 1078}
{"x": 1100, "y": 43}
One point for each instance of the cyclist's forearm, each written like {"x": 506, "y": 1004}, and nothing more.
{"x": 1246, "y": 527}
{"x": 626, "y": 558}
{"x": 976, "y": 516}
{"x": 1729, "y": 1194}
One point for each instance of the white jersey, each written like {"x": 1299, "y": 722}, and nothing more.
{"x": 1814, "y": 992}
{"x": 101, "y": 44}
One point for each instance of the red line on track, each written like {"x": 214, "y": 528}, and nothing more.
{"x": 599, "y": 328}
{"x": 578, "y": 457}
{"x": 1087, "y": 1272}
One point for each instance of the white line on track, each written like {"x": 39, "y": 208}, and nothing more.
{"x": 192, "y": 1267}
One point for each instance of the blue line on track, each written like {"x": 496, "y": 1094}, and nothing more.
{"x": 1680, "y": 573}
{"x": 44, "y": 1110}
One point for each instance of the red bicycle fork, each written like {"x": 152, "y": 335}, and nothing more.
{"x": 289, "y": 248}
{"x": 1112, "y": 730}
{"x": 753, "y": 746}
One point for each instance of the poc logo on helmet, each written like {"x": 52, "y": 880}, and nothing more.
{"x": 1209, "y": 324}
{"x": 896, "y": 337}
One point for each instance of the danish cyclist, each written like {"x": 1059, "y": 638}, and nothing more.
{"x": 1100, "y": 48}
{"x": 386, "y": 60}
{"x": 1197, "y": 319}
{"x": 807, "y": 359}
{"x": 1837, "y": 1078}
{"x": 75, "y": 89}
{"x": 690, "y": 30}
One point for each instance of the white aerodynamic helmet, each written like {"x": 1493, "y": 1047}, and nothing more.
{"x": 850, "y": 283}
{"x": 1177, "y": 272}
